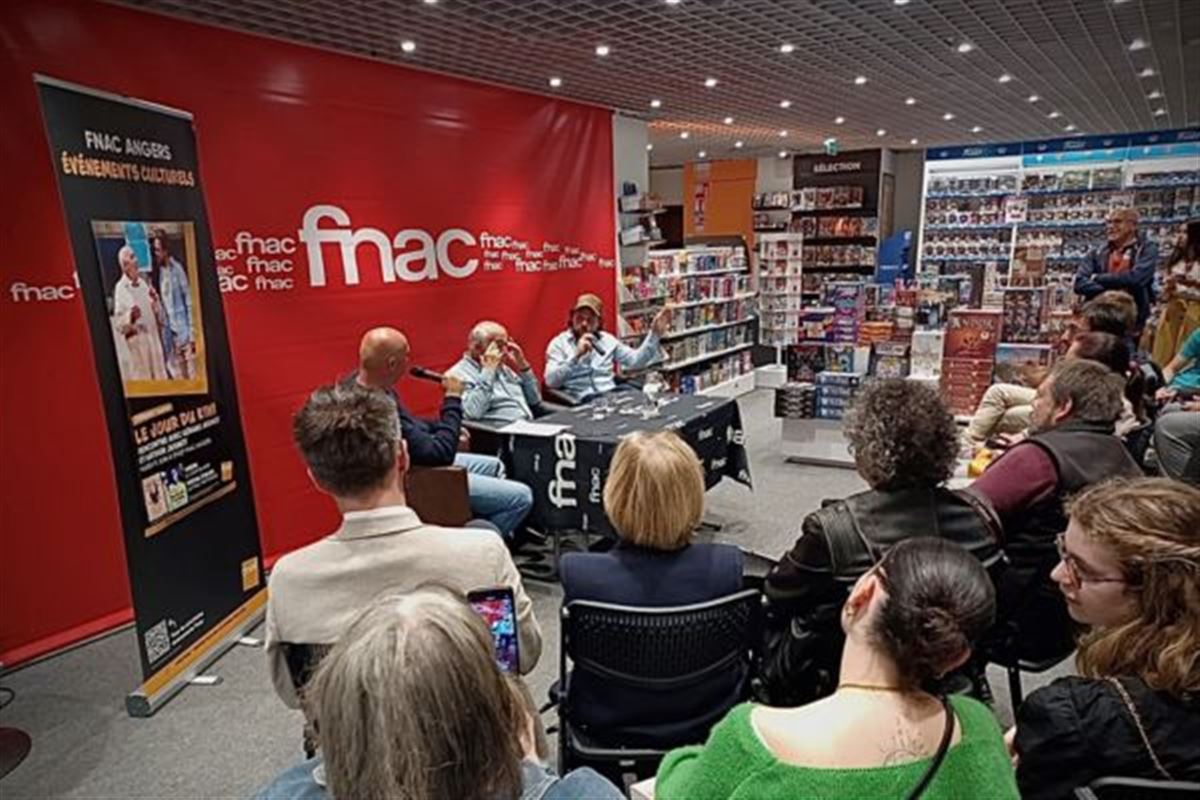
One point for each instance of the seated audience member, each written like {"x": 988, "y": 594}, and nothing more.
{"x": 1179, "y": 309}
{"x": 1071, "y": 447}
{"x": 350, "y": 440}
{"x": 1182, "y": 374}
{"x": 383, "y": 361}
{"x": 411, "y": 704}
{"x": 909, "y": 620}
{"x": 1005, "y": 407}
{"x": 500, "y": 385}
{"x": 1125, "y": 262}
{"x": 1130, "y": 571}
{"x": 1113, "y": 352}
{"x": 903, "y": 440}
{"x": 581, "y": 359}
{"x": 1177, "y": 441}
{"x": 654, "y": 496}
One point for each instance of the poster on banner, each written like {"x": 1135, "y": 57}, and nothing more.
{"x": 128, "y": 178}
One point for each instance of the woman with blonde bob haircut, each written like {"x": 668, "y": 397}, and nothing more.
{"x": 1130, "y": 570}
{"x": 654, "y": 497}
{"x": 410, "y": 705}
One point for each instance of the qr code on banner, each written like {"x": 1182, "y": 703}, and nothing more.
{"x": 158, "y": 642}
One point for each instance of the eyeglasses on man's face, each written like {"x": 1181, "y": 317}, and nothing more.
{"x": 1075, "y": 572}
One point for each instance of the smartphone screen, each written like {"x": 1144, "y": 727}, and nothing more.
{"x": 499, "y": 611}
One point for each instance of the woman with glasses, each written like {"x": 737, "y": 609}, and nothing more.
{"x": 1130, "y": 570}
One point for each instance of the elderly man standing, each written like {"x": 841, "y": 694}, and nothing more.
{"x": 500, "y": 385}
{"x": 580, "y": 360}
{"x": 383, "y": 361}
{"x": 136, "y": 314}
{"x": 1126, "y": 261}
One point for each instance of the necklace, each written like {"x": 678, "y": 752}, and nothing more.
{"x": 869, "y": 687}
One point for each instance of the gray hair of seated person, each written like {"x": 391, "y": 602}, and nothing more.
{"x": 410, "y": 704}
{"x": 902, "y": 435}
{"x": 482, "y": 332}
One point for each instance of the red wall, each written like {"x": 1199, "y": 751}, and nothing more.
{"x": 280, "y": 128}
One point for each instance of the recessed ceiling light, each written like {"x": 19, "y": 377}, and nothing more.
{"x": 976, "y": 129}
{"x": 674, "y": 2}
{"x": 900, "y": 2}
{"x": 1005, "y": 78}
{"x": 602, "y": 50}
{"x": 860, "y": 80}
{"x": 684, "y": 134}
{"x": 555, "y": 83}
{"x": 649, "y": 146}
{"x": 710, "y": 82}
{"x": 703, "y": 154}
{"x": 947, "y": 116}
{"x": 838, "y": 120}
{"x": 965, "y": 47}
{"x": 787, "y": 47}
{"x": 738, "y": 144}
{"x": 1054, "y": 115}
{"x": 431, "y": 2}
{"x": 881, "y": 132}
{"x": 1033, "y": 98}
{"x": 408, "y": 45}
{"x": 785, "y": 103}
{"x": 1160, "y": 112}
{"x": 1137, "y": 44}
{"x": 1156, "y": 94}
{"x": 783, "y": 153}
{"x": 1148, "y": 72}
{"x": 656, "y": 103}
{"x": 913, "y": 141}
{"x": 910, "y": 101}
{"x": 1069, "y": 128}
{"x": 728, "y": 120}
{"x": 783, "y": 133}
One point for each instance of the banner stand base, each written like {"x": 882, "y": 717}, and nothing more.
{"x": 140, "y": 704}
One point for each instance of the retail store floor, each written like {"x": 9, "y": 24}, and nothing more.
{"x": 227, "y": 740}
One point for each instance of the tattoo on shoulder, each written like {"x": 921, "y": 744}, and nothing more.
{"x": 905, "y": 746}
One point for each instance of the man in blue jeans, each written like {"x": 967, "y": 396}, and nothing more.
{"x": 382, "y": 361}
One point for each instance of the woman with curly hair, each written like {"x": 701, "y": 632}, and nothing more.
{"x": 1129, "y": 569}
{"x": 904, "y": 443}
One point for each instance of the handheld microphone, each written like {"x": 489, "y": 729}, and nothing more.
{"x": 596, "y": 344}
{"x": 430, "y": 375}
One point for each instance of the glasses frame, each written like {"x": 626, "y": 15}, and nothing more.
{"x": 1072, "y": 569}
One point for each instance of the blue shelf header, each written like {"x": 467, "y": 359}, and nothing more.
{"x": 1082, "y": 149}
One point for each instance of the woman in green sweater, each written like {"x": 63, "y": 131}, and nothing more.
{"x": 908, "y": 621}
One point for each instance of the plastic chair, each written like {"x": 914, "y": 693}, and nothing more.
{"x": 658, "y": 649}
{"x": 1137, "y": 789}
{"x": 302, "y": 661}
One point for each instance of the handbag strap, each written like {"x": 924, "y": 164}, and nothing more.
{"x": 1137, "y": 723}
{"x": 939, "y": 757}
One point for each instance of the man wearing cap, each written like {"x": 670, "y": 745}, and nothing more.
{"x": 580, "y": 360}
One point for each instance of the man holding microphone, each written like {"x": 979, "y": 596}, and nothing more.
{"x": 580, "y": 361}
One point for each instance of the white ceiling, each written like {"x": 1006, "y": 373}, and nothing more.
{"x": 1073, "y": 54}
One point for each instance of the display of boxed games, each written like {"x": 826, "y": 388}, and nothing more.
{"x": 873, "y": 331}
{"x": 926, "y": 353}
{"x": 703, "y": 343}
{"x": 838, "y": 227}
{"x": 846, "y": 298}
{"x": 889, "y": 359}
{"x": 839, "y": 255}
{"x": 697, "y": 379}
{"x": 778, "y": 201}
{"x": 796, "y": 401}
{"x": 943, "y": 246}
{"x": 1024, "y": 310}
{"x": 963, "y": 383}
{"x": 1012, "y": 359}
{"x": 805, "y": 361}
{"x": 973, "y": 333}
{"x": 836, "y": 392}
{"x": 971, "y": 185}
{"x": 839, "y": 357}
{"x": 963, "y": 212}
{"x": 814, "y": 198}
{"x": 1028, "y": 267}
{"x": 764, "y": 222}
{"x": 816, "y": 324}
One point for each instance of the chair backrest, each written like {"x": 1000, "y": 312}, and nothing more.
{"x": 1114, "y": 788}
{"x": 661, "y": 648}
{"x": 439, "y": 495}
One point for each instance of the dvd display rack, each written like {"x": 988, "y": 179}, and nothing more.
{"x": 780, "y": 258}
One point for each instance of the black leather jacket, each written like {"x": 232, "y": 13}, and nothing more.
{"x": 837, "y": 544}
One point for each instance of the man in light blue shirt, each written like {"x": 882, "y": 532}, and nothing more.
{"x": 580, "y": 360}
{"x": 176, "y": 298}
{"x": 500, "y": 385}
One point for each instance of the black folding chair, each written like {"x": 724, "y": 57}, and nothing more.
{"x": 302, "y": 662}
{"x": 669, "y": 650}
{"x": 1137, "y": 789}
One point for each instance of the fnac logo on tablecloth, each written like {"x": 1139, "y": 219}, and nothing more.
{"x": 412, "y": 255}
{"x": 561, "y": 489}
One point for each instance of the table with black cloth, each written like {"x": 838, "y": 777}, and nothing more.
{"x": 567, "y": 471}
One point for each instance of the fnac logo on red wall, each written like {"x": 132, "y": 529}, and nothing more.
{"x": 412, "y": 254}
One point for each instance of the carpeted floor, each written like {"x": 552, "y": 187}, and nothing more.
{"x": 229, "y": 739}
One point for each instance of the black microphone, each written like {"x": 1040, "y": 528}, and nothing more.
{"x": 596, "y": 344}
{"x": 436, "y": 377}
